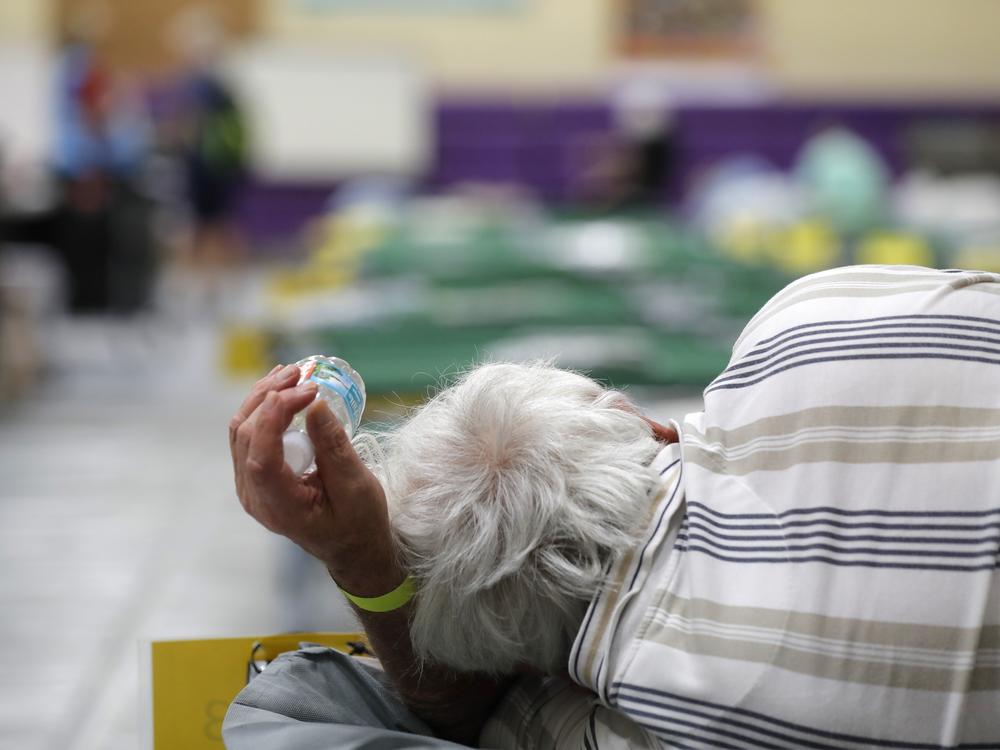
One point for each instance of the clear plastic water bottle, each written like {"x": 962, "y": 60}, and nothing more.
{"x": 343, "y": 390}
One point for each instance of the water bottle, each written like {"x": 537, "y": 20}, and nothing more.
{"x": 343, "y": 390}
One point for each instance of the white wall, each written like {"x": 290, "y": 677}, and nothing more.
{"x": 25, "y": 81}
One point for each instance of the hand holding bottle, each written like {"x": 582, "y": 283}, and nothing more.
{"x": 337, "y": 513}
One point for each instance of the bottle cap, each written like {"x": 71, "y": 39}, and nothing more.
{"x": 299, "y": 453}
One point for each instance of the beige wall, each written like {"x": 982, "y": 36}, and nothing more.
{"x": 896, "y": 47}
{"x": 534, "y": 44}
{"x": 848, "y": 47}
{"x": 851, "y": 47}
{"x": 25, "y": 20}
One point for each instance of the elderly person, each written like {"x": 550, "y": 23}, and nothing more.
{"x": 813, "y": 564}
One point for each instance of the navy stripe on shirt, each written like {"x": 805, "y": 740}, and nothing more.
{"x": 925, "y": 319}
{"x": 753, "y": 721}
{"x": 915, "y": 323}
{"x": 857, "y": 358}
{"x": 850, "y": 512}
{"x": 768, "y": 363}
{"x": 839, "y": 562}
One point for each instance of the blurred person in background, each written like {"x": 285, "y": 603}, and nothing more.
{"x": 812, "y": 558}
{"x": 210, "y": 135}
{"x": 644, "y": 124}
{"x": 631, "y": 167}
{"x": 100, "y": 221}
{"x": 102, "y": 224}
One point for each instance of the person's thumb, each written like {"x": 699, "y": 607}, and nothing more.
{"x": 336, "y": 458}
{"x": 353, "y": 492}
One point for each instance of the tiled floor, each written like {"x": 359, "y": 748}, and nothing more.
{"x": 118, "y": 524}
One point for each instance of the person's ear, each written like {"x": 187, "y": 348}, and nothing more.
{"x": 661, "y": 432}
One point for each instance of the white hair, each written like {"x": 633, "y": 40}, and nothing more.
{"x": 510, "y": 493}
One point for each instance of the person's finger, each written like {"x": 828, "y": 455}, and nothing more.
{"x": 265, "y": 458}
{"x": 279, "y": 377}
{"x": 246, "y": 408}
{"x": 297, "y": 398}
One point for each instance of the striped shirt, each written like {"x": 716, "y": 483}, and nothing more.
{"x": 822, "y": 569}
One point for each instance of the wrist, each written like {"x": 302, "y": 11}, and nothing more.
{"x": 391, "y": 601}
{"x": 369, "y": 576}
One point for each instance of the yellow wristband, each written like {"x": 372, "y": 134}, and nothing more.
{"x": 395, "y": 599}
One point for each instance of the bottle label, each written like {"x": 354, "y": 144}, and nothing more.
{"x": 329, "y": 376}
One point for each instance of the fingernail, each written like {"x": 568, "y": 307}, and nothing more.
{"x": 306, "y": 386}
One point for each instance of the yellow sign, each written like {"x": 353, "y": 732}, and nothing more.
{"x": 193, "y": 682}
{"x": 245, "y": 351}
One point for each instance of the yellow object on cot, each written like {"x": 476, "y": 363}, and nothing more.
{"x": 193, "y": 682}
{"x": 894, "y": 249}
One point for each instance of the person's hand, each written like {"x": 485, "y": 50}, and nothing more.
{"x": 338, "y": 513}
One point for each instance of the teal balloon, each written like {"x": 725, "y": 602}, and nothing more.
{"x": 846, "y": 179}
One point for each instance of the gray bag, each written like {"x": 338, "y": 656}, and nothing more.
{"x": 317, "y": 698}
